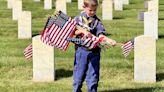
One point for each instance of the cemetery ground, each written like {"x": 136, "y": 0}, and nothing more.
{"x": 116, "y": 71}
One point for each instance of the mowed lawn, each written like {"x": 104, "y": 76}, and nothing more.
{"x": 116, "y": 71}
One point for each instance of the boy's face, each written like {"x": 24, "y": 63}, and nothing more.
{"x": 91, "y": 11}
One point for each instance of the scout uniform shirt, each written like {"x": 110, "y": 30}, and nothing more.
{"x": 92, "y": 24}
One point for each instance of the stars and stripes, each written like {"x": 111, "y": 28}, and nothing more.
{"x": 28, "y": 51}
{"x": 127, "y": 47}
{"x": 62, "y": 27}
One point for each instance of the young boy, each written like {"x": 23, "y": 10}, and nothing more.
{"x": 87, "y": 62}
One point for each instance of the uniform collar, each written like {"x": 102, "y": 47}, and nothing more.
{"x": 83, "y": 13}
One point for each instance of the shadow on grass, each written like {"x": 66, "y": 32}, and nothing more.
{"x": 35, "y": 35}
{"x": 160, "y": 77}
{"x": 118, "y": 18}
{"x": 126, "y": 8}
{"x": 161, "y": 19}
{"x": 161, "y": 10}
{"x": 136, "y": 90}
{"x": 161, "y": 36}
{"x": 62, "y": 73}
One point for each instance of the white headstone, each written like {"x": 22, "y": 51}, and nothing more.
{"x": 118, "y": 5}
{"x": 17, "y": 9}
{"x": 107, "y": 10}
{"x": 47, "y": 4}
{"x": 80, "y": 4}
{"x": 61, "y": 5}
{"x": 126, "y": 2}
{"x": 145, "y": 59}
{"x": 37, "y": 0}
{"x": 153, "y": 5}
{"x": 43, "y": 61}
{"x": 69, "y": 1}
{"x": 151, "y": 24}
{"x": 10, "y": 3}
{"x": 24, "y": 25}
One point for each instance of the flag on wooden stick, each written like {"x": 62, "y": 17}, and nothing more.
{"x": 127, "y": 47}
{"x": 89, "y": 42}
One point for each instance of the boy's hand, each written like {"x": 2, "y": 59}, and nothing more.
{"x": 111, "y": 41}
{"x": 81, "y": 30}
{"x": 107, "y": 41}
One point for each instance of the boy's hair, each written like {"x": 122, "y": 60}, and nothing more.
{"x": 90, "y": 3}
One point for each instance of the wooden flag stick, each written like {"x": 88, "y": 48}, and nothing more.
{"x": 119, "y": 44}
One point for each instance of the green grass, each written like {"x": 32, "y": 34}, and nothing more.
{"x": 116, "y": 71}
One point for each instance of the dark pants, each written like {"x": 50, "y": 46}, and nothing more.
{"x": 86, "y": 66}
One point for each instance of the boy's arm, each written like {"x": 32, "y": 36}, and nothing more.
{"x": 105, "y": 41}
{"x": 81, "y": 30}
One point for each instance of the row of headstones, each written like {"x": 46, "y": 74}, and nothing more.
{"x": 43, "y": 55}
{"x": 118, "y": 3}
{"x": 144, "y": 60}
{"x": 24, "y": 17}
{"x": 107, "y": 6}
{"x": 145, "y": 46}
{"x": 150, "y": 18}
{"x": 60, "y": 4}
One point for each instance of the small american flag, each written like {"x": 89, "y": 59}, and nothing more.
{"x": 57, "y": 30}
{"x": 127, "y": 47}
{"x": 28, "y": 51}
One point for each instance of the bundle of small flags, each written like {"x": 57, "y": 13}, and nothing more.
{"x": 127, "y": 47}
{"x": 58, "y": 28}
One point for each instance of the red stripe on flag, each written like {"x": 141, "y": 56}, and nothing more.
{"x": 94, "y": 43}
{"x": 54, "y": 34}
{"x": 67, "y": 43}
{"x": 57, "y": 34}
{"x": 67, "y": 34}
{"x": 59, "y": 37}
